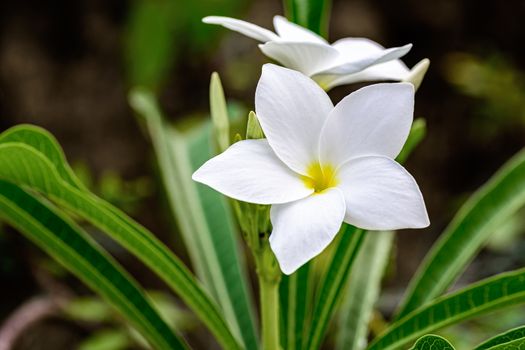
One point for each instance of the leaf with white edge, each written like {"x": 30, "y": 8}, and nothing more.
{"x": 203, "y": 215}
{"x": 518, "y": 344}
{"x": 336, "y": 278}
{"x": 484, "y": 211}
{"x": 26, "y": 166}
{"x": 490, "y": 294}
{"x": 44, "y": 142}
{"x": 506, "y": 340}
{"x": 295, "y": 293}
{"x": 363, "y": 290}
{"x": 432, "y": 342}
{"x": 74, "y": 249}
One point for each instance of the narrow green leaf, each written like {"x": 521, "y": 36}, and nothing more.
{"x": 204, "y": 216}
{"x": 219, "y": 113}
{"x": 490, "y": 206}
{"x": 363, "y": 290}
{"x": 107, "y": 339}
{"x": 150, "y": 49}
{"x": 334, "y": 282}
{"x": 493, "y": 293}
{"x": 518, "y": 344}
{"x": 311, "y": 14}
{"x": 24, "y": 165}
{"x": 432, "y": 342}
{"x": 295, "y": 294}
{"x": 221, "y": 243}
{"x": 508, "y": 338}
{"x": 73, "y": 248}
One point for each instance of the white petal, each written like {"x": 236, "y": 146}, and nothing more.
{"x": 292, "y": 109}
{"x": 374, "y": 120}
{"x": 289, "y": 31}
{"x": 356, "y": 49}
{"x": 249, "y": 29}
{"x": 358, "y": 53}
{"x": 249, "y": 171}
{"x": 304, "y": 228}
{"x": 381, "y": 195}
{"x": 306, "y": 57}
{"x": 391, "y": 70}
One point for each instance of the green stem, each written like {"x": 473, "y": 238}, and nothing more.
{"x": 269, "y": 289}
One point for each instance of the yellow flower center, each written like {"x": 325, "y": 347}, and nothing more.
{"x": 320, "y": 177}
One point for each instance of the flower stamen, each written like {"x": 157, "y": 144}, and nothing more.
{"x": 320, "y": 177}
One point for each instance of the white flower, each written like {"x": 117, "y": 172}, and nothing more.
{"x": 346, "y": 61}
{"x": 321, "y": 165}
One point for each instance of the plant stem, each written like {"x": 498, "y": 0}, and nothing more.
{"x": 269, "y": 290}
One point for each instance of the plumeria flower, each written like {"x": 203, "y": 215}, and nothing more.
{"x": 346, "y": 61}
{"x": 321, "y": 165}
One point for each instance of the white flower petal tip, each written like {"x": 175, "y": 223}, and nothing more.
{"x": 304, "y": 228}
{"x": 292, "y": 110}
{"x": 375, "y": 119}
{"x": 249, "y": 29}
{"x": 250, "y": 171}
{"x": 381, "y": 195}
{"x": 417, "y": 73}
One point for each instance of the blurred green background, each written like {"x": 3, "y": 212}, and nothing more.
{"x": 68, "y": 66}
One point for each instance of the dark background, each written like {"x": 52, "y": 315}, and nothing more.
{"x": 63, "y": 66}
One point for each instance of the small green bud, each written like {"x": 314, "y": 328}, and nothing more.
{"x": 253, "y": 129}
{"x": 219, "y": 113}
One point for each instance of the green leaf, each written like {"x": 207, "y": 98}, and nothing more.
{"x": 493, "y": 293}
{"x": 295, "y": 294}
{"x": 488, "y": 208}
{"x": 73, "y": 248}
{"x": 107, "y": 339}
{"x": 509, "y": 340}
{"x": 311, "y": 14}
{"x": 432, "y": 342}
{"x": 150, "y": 49}
{"x": 334, "y": 282}
{"x": 363, "y": 290}
{"x": 518, "y": 344}
{"x": 27, "y": 166}
{"x": 203, "y": 215}
{"x": 88, "y": 309}
{"x": 44, "y": 142}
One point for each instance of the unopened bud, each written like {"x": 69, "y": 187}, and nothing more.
{"x": 253, "y": 129}
{"x": 417, "y": 73}
{"x": 219, "y": 113}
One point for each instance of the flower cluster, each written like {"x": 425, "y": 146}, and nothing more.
{"x": 320, "y": 165}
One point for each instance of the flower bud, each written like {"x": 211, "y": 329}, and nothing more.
{"x": 253, "y": 129}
